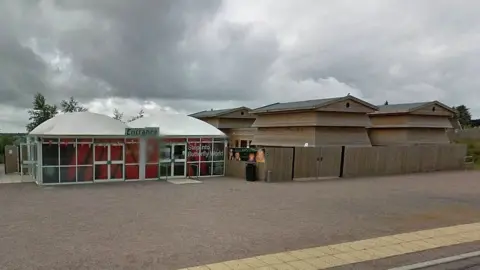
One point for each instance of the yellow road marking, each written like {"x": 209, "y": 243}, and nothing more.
{"x": 354, "y": 252}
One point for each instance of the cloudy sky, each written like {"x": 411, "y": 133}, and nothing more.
{"x": 191, "y": 55}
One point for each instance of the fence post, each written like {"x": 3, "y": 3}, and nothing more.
{"x": 342, "y": 161}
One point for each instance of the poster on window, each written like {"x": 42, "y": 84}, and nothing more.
{"x": 247, "y": 154}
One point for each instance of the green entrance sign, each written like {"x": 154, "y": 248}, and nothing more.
{"x": 142, "y": 132}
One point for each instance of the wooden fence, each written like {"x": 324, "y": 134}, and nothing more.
{"x": 389, "y": 160}
{"x": 237, "y": 169}
{"x": 317, "y": 162}
{"x": 301, "y": 163}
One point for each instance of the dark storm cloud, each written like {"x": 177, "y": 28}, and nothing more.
{"x": 182, "y": 51}
{"x": 397, "y": 50}
{"x": 156, "y": 49}
{"x": 21, "y": 70}
{"x": 134, "y": 49}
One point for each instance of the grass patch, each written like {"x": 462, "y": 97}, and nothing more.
{"x": 473, "y": 149}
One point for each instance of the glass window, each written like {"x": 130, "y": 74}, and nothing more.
{"x": 67, "y": 154}
{"x": 218, "y": 168}
{"x": 132, "y": 153}
{"x": 206, "y": 151}
{"x": 193, "y": 151}
{"x": 116, "y": 171}
{"x": 179, "y": 169}
{"x": 192, "y": 169}
{"x": 151, "y": 171}
{"x": 101, "y": 171}
{"x": 153, "y": 149}
{"x": 132, "y": 172}
{"x": 116, "y": 152}
{"x": 101, "y": 152}
{"x": 85, "y": 173}
{"x": 205, "y": 168}
{"x": 165, "y": 169}
{"x": 68, "y": 174}
{"x": 50, "y": 154}
{"x": 218, "y": 152}
{"x": 84, "y": 154}
{"x": 179, "y": 151}
{"x": 50, "y": 175}
{"x": 243, "y": 144}
{"x": 166, "y": 152}
{"x": 50, "y": 140}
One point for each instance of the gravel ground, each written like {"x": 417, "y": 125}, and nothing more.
{"x": 158, "y": 225}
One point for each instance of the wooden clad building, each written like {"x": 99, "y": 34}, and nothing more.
{"x": 236, "y": 123}
{"x": 411, "y": 123}
{"x": 320, "y": 122}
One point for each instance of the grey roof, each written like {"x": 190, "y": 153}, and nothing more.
{"x": 403, "y": 107}
{"x": 297, "y": 105}
{"x": 214, "y": 113}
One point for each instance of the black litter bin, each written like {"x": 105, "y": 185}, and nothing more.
{"x": 251, "y": 172}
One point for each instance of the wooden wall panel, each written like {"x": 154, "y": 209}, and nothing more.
{"x": 290, "y": 137}
{"x": 341, "y": 136}
{"x": 428, "y": 110}
{"x": 341, "y": 106}
{"x": 339, "y": 119}
{"x": 388, "y": 160}
{"x": 235, "y": 123}
{"x": 290, "y": 119}
{"x": 317, "y": 162}
{"x": 279, "y": 164}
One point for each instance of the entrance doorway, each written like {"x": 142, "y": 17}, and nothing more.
{"x": 109, "y": 162}
{"x": 173, "y": 160}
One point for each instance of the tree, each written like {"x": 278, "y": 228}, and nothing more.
{"x": 40, "y": 112}
{"x": 138, "y": 116}
{"x": 72, "y": 105}
{"x": 386, "y": 103}
{"x": 4, "y": 141}
{"x": 119, "y": 115}
{"x": 463, "y": 115}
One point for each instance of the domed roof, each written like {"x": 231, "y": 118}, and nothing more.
{"x": 180, "y": 125}
{"x": 80, "y": 123}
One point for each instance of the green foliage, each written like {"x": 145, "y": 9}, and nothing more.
{"x": 4, "y": 141}
{"x": 119, "y": 115}
{"x": 138, "y": 116}
{"x": 463, "y": 115}
{"x": 40, "y": 112}
{"x": 72, "y": 105}
{"x": 473, "y": 149}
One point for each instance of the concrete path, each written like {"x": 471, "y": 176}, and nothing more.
{"x": 13, "y": 177}
{"x": 354, "y": 252}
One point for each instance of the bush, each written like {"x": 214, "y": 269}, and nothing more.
{"x": 473, "y": 149}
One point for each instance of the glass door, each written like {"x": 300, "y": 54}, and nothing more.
{"x": 165, "y": 161}
{"x": 179, "y": 159}
{"x": 101, "y": 153}
{"x": 116, "y": 158}
{"x": 109, "y": 162}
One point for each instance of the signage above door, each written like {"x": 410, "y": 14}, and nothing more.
{"x": 142, "y": 132}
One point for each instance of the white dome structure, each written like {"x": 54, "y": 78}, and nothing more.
{"x": 80, "y": 124}
{"x": 177, "y": 125}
